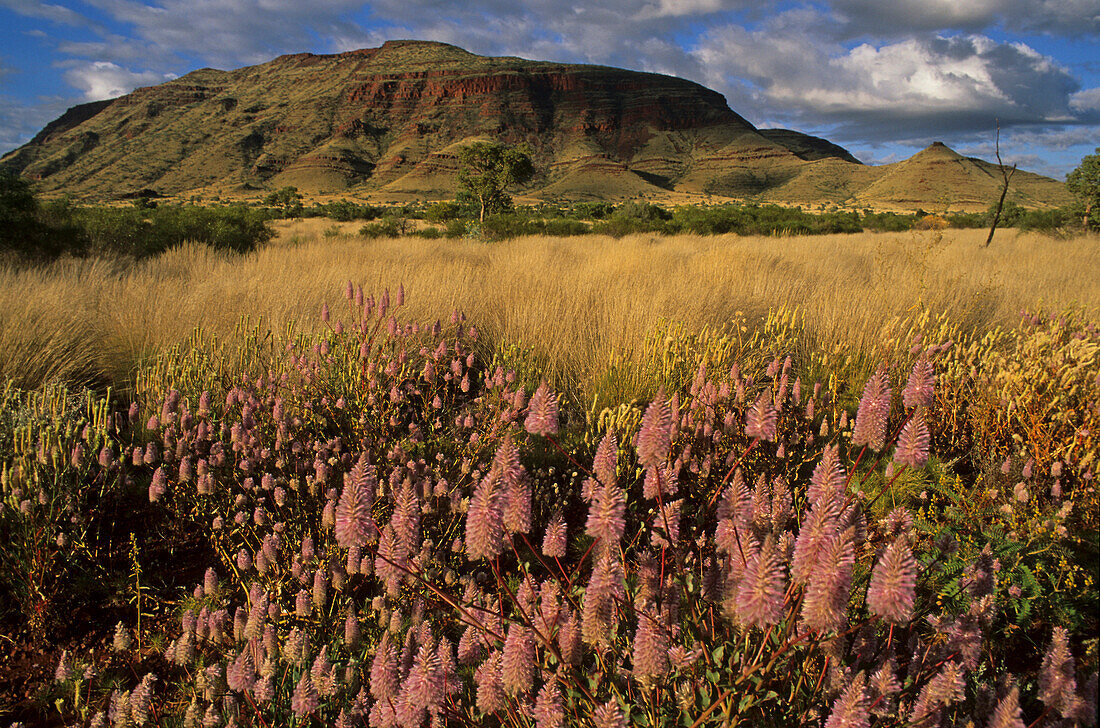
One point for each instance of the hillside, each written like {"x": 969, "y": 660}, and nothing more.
{"x": 386, "y": 122}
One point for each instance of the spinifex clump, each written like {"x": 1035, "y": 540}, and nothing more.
{"x": 406, "y": 538}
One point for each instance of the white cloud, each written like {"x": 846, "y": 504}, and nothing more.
{"x": 1086, "y": 101}
{"x": 903, "y": 17}
{"x": 46, "y": 11}
{"x": 912, "y": 87}
{"x": 105, "y": 80}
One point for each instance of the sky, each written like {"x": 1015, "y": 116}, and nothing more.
{"x": 883, "y": 78}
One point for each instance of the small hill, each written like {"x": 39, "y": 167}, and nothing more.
{"x": 939, "y": 177}
{"x": 386, "y": 123}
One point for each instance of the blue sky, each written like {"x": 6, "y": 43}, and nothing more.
{"x": 884, "y": 78}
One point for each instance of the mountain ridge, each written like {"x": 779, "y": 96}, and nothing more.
{"x": 387, "y": 121}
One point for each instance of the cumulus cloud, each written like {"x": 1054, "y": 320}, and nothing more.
{"x": 902, "y": 17}
{"x": 20, "y": 121}
{"x": 911, "y": 87}
{"x": 105, "y": 80}
{"x": 1086, "y": 101}
{"x": 46, "y": 11}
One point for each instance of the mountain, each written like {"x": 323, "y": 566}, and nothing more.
{"x": 386, "y": 122}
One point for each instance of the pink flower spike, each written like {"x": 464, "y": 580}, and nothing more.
{"x": 542, "y": 413}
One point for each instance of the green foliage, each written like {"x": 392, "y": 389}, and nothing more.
{"x": 143, "y": 232}
{"x": 1084, "y": 181}
{"x": 343, "y": 211}
{"x": 488, "y": 169}
{"x": 288, "y": 198}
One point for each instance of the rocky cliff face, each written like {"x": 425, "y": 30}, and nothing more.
{"x": 388, "y": 121}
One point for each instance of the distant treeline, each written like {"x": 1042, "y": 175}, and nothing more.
{"x": 31, "y": 228}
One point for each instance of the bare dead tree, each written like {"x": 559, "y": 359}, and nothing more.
{"x": 1006, "y": 175}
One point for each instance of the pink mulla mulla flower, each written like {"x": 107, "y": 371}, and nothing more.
{"x": 548, "y": 712}
{"x": 302, "y": 603}
{"x": 759, "y": 601}
{"x": 606, "y": 515}
{"x": 64, "y": 671}
{"x": 660, "y": 480}
{"x": 517, "y": 664}
{"x": 304, "y": 700}
{"x": 825, "y": 606}
{"x": 762, "y": 418}
{"x": 555, "y": 540}
{"x": 485, "y": 520}
{"x": 386, "y": 564}
{"x": 850, "y": 710}
{"x": 384, "y": 677}
{"x": 355, "y": 525}
{"x": 609, "y": 715}
{"x": 912, "y": 447}
{"x": 874, "y": 409}
{"x": 352, "y": 632}
{"x": 654, "y": 434}
{"x": 159, "y": 485}
{"x": 898, "y": 521}
{"x": 517, "y": 506}
{"x": 469, "y": 646}
{"x": 141, "y": 699}
{"x": 1007, "y": 714}
{"x": 818, "y": 527}
{"x": 828, "y": 479}
{"x": 605, "y": 587}
{"x": 666, "y": 522}
{"x": 1057, "y": 684}
{"x": 240, "y": 674}
{"x": 569, "y": 638}
{"x": 320, "y": 588}
{"x": 893, "y": 584}
{"x": 323, "y": 674}
{"x": 490, "y": 690}
{"x": 782, "y": 504}
{"x": 542, "y": 413}
{"x": 650, "y": 651}
{"x": 422, "y": 688}
{"x": 406, "y": 517}
{"x": 761, "y": 503}
{"x": 605, "y": 463}
{"x": 920, "y": 387}
{"x": 946, "y": 687}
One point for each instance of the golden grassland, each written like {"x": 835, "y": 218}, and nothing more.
{"x": 575, "y": 308}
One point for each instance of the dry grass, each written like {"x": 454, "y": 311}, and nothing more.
{"x": 570, "y": 303}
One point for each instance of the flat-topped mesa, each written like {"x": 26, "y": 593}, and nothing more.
{"x": 388, "y": 121}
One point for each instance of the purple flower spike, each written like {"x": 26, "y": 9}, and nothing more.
{"x": 654, "y": 436}
{"x": 354, "y": 524}
{"x": 912, "y": 449}
{"x": 485, "y": 520}
{"x": 920, "y": 388}
{"x": 874, "y": 409}
{"x": 850, "y": 709}
{"x": 760, "y": 420}
{"x": 893, "y": 581}
{"x": 542, "y": 413}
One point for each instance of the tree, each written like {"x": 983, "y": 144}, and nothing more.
{"x": 489, "y": 168}
{"x": 1085, "y": 183}
{"x": 287, "y": 198}
{"x": 1006, "y": 176}
{"x": 18, "y": 212}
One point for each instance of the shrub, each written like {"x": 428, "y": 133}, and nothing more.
{"x": 399, "y": 533}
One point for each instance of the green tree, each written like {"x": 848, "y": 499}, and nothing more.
{"x": 488, "y": 169}
{"x": 1085, "y": 183}
{"x": 287, "y": 198}
{"x": 18, "y": 212}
